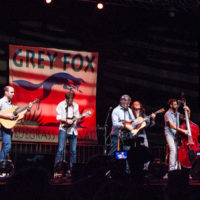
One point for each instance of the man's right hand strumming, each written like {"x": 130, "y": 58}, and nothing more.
{"x": 69, "y": 121}
{"x": 129, "y": 127}
{"x": 12, "y": 116}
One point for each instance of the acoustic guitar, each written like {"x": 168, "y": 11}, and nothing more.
{"x": 75, "y": 120}
{"x": 16, "y": 111}
{"x": 140, "y": 122}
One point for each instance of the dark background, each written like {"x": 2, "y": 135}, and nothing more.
{"x": 147, "y": 50}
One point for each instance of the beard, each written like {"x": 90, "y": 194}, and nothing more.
{"x": 175, "y": 109}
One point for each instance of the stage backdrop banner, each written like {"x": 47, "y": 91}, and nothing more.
{"x": 48, "y": 74}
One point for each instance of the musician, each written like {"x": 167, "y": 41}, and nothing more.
{"x": 172, "y": 120}
{"x": 120, "y": 114}
{"x": 66, "y": 111}
{"x": 139, "y": 111}
{"x": 6, "y": 104}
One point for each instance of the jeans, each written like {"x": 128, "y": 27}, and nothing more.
{"x": 6, "y": 143}
{"x": 113, "y": 149}
{"x": 173, "y": 158}
{"x": 62, "y": 137}
{"x": 114, "y": 144}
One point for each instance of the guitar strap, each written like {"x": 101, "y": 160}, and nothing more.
{"x": 128, "y": 115}
{"x": 67, "y": 111}
{"x": 124, "y": 135}
{"x": 67, "y": 108}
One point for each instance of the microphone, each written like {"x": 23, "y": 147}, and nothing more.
{"x": 110, "y": 109}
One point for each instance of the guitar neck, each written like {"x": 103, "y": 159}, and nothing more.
{"x": 149, "y": 116}
{"x": 80, "y": 117}
{"x": 187, "y": 121}
{"x": 20, "y": 110}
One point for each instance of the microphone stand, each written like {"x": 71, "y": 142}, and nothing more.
{"x": 105, "y": 132}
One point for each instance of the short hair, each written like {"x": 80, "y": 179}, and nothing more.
{"x": 70, "y": 95}
{"x": 6, "y": 88}
{"x": 125, "y": 97}
{"x": 170, "y": 101}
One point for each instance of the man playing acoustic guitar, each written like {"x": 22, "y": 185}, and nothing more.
{"x": 6, "y": 133}
{"x": 121, "y": 114}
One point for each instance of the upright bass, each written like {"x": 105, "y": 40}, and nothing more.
{"x": 189, "y": 143}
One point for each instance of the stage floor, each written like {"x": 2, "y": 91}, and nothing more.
{"x": 70, "y": 181}
{"x": 88, "y": 187}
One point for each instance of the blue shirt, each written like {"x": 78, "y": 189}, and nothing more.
{"x": 175, "y": 118}
{"x": 119, "y": 115}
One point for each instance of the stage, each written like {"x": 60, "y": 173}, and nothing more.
{"x": 99, "y": 187}
{"x": 95, "y": 176}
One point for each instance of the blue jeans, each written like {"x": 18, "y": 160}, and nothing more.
{"x": 62, "y": 137}
{"x": 114, "y": 145}
{"x": 113, "y": 149}
{"x": 6, "y": 143}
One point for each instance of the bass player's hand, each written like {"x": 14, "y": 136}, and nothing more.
{"x": 185, "y": 132}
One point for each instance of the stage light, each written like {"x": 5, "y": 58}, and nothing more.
{"x": 100, "y": 5}
{"x": 48, "y": 1}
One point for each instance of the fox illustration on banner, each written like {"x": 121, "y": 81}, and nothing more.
{"x": 35, "y": 73}
{"x": 55, "y": 79}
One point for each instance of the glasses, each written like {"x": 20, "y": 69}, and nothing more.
{"x": 137, "y": 109}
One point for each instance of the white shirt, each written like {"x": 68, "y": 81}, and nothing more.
{"x": 5, "y": 104}
{"x": 73, "y": 111}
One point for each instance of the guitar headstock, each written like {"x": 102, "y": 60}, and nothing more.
{"x": 88, "y": 113}
{"x": 36, "y": 101}
{"x": 160, "y": 110}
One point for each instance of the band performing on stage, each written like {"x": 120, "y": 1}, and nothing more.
{"x": 129, "y": 131}
{"x": 99, "y": 100}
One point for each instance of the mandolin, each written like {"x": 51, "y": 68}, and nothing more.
{"x": 75, "y": 120}
{"x": 8, "y": 123}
